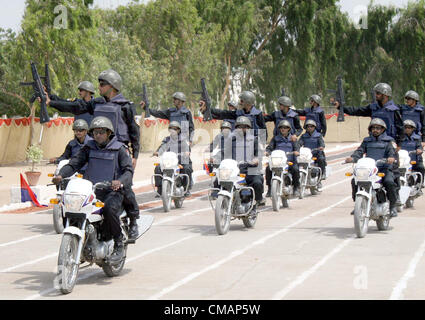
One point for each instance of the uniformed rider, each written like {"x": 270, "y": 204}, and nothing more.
{"x": 316, "y": 113}
{"x": 107, "y": 159}
{"x": 379, "y": 146}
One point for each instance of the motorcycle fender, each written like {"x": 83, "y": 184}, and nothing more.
{"x": 168, "y": 178}
{"x": 74, "y": 230}
{"x": 277, "y": 178}
{"x": 303, "y": 170}
{"x": 225, "y": 193}
{"x": 363, "y": 193}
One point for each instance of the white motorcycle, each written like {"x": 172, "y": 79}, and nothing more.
{"x": 281, "y": 185}
{"x": 235, "y": 199}
{"x": 310, "y": 174}
{"x": 172, "y": 181}
{"x": 410, "y": 181}
{"x": 371, "y": 200}
{"x": 83, "y": 239}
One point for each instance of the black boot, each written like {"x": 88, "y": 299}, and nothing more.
{"x": 269, "y": 192}
{"x": 118, "y": 252}
{"x": 133, "y": 233}
{"x": 393, "y": 212}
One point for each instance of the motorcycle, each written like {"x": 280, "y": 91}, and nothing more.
{"x": 84, "y": 239}
{"x": 410, "y": 181}
{"x": 281, "y": 186}
{"x": 172, "y": 182}
{"x": 310, "y": 174}
{"x": 371, "y": 200}
{"x": 235, "y": 199}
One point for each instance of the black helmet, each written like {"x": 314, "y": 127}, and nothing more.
{"x": 80, "y": 124}
{"x": 242, "y": 120}
{"x": 101, "y": 122}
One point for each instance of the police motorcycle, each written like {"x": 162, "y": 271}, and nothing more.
{"x": 84, "y": 239}
{"x": 410, "y": 181}
{"x": 310, "y": 174}
{"x": 58, "y": 212}
{"x": 281, "y": 186}
{"x": 172, "y": 182}
{"x": 371, "y": 202}
{"x": 235, "y": 199}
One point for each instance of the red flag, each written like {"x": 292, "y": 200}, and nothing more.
{"x": 206, "y": 167}
{"x": 27, "y": 194}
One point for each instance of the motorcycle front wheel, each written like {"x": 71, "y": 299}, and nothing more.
{"x": 302, "y": 186}
{"x": 222, "y": 219}
{"x": 275, "y": 195}
{"x": 57, "y": 218}
{"x": 68, "y": 265}
{"x": 166, "y": 195}
{"x": 361, "y": 220}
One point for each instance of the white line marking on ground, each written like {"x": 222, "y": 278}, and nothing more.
{"x": 88, "y": 275}
{"x": 300, "y": 279}
{"x": 397, "y": 292}
{"x": 29, "y": 263}
{"x": 237, "y": 253}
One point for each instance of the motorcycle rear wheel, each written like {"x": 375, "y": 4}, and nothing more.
{"x": 115, "y": 270}
{"x": 222, "y": 220}
{"x": 68, "y": 265}
{"x": 360, "y": 220}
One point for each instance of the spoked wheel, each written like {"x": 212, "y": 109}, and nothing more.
{"x": 275, "y": 195}
{"x": 222, "y": 219}
{"x": 361, "y": 220}
{"x": 67, "y": 263}
{"x": 250, "y": 220}
{"x": 383, "y": 222}
{"x": 115, "y": 270}
{"x": 166, "y": 195}
{"x": 302, "y": 186}
{"x": 57, "y": 218}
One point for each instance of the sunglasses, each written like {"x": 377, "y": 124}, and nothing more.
{"x": 79, "y": 130}
{"x": 99, "y": 131}
{"x": 375, "y": 128}
{"x": 103, "y": 83}
{"x": 243, "y": 127}
{"x": 408, "y": 98}
{"x": 409, "y": 127}
{"x": 310, "y": 126}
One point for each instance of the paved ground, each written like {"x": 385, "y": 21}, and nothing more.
{"x": 307, "y": 251}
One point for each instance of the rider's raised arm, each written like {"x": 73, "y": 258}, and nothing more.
{"x": 365, "y": 111}
{"x": 126, "y": 167}
{"x": 160, "y": 113}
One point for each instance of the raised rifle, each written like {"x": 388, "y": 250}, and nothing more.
{"x": 205, "y": 97}
{"x": 46, "y": 79}
{"x": 373, "y": 94}
{"x": 144, "y": 96}
{"x": 38, "y": 93}
{"x": 339, "y": 96}
{"x": 282, "y": 92}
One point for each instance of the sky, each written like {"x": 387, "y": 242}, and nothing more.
{"x": 12, "y": 11}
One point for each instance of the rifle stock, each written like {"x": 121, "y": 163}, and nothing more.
{"x": 146, "y": 100}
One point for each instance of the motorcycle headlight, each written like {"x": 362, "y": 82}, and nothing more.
{"x": 225, "y": 174}
{"x": 73, "y": 202}
{"x": 168, "y": 163}
{"x": 277, "y": 161}
{"x": 362, "y": 173}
